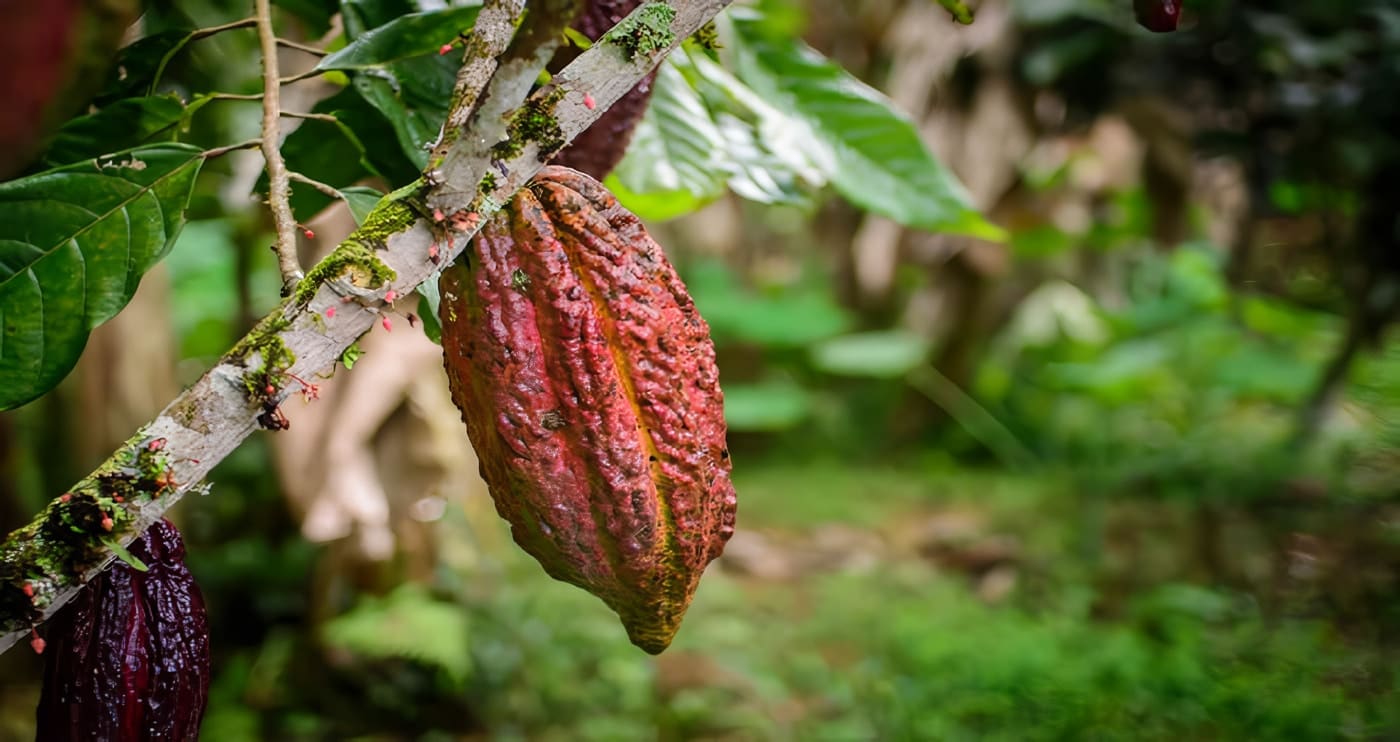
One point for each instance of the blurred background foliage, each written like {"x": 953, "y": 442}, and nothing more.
{"x": 1133, "y": 473}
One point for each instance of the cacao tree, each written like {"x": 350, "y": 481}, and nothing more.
{"x": 585, "y": 374}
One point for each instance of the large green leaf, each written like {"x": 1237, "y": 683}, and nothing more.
{"x": 74, "y": 243}
{"x": 706, "y": 130}
{"x": 122, "y": 125}
{"x": 412, "y": 35}
{"x": 410, "y": 91}
{"x": 673, "y": 165}
{"x": 766, "y": 155}
{"x": 878, "y": 161}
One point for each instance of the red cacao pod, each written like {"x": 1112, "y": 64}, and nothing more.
{"x": 128, "y": 658}
{"x": 598, "y": 149}
{"x": 588, "y": 385}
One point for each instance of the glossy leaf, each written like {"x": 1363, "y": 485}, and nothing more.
{"x": 416, "y": 120}
{"x": 673, "y": 164}
{"x": 705, "y": 131}
{"x": 361, "y": 201}
{"x": 74, "y": 243}
{"x": 412, "y": 35}
{"x": 328, "y": 151}
{"x": 122, "y": 125}
{"x": 879, "y": 162}
{"x": 767, "y": 157}
{"x": 428, "y": 302}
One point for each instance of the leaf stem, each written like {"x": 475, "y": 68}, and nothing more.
{"x": 310, "y": 116}
{"x": 297, "y": 45}
{"x": 210, "y": 154}
{"x": 329, "y": 190}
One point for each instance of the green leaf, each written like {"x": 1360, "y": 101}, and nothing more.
{"x": 428, "y": 300}
{"x": 125, "y": 555}
{"x": 706, "y": 130}
{"x": 673, "y": 164}
{"x": 412, "y": 35}
{"x": 767, "y": 157}
{"x": 351, "y": 355}
{"x": 877, "y": 160}
{"x": 408, "y": 623}
{"x": 366, "y": 124}
{"x": 140, "y": 63}
{"x": 768, "y": 406}
{"x": 361, "y": 201}
{"x": 415, "y": 122}
{"x": 785, "y": 317}
{"x": 886, "y": 354}
{"x": 316, "y": 14}
{"x": 411, "y": 93}
{"x": 122, "y": 125}
{"x": 328, "y": 151}
{"x": 74, "y": 243}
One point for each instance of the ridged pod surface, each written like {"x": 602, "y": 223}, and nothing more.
{"x": 598, "y": 149}
{"x": 128, "y": 658}
{"x": 588, "y": 385}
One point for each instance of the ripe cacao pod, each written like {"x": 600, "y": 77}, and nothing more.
{"x": 598, "y": 149}
{"x": 588, "y": 385}
{"x": 128, "y": 658}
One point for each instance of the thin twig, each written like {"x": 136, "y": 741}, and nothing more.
{"x": 329, "y": 190}
{"x": 279, "y": 187}
{"x": 302, "y": 47}
{"x": 307, "y": 75}
{"x": 201, "y": 33}
{"x": 234, "y": 96}
{"x": 310, "y": 116}
{"x": 210, "y": 154}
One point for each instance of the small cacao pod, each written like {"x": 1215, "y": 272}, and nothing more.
{"x": 588, "y": 385}
{"x": 598, "y": 149}
{"x": 128, "y": 658}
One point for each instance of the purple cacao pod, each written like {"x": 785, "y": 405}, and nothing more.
{"x": 128, "y": 658}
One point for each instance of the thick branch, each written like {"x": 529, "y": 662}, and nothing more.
{"x": 279, "y": 187}
{"x": 310, "y": 331}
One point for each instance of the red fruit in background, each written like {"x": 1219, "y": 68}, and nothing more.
{"x": 128, "y": 658}
{"x": 1160, "y": 16}
{"x": 56, "y": 56}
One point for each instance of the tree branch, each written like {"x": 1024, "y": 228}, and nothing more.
{"x": 308, "y": 332}
{"x": 279, "y": 187}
